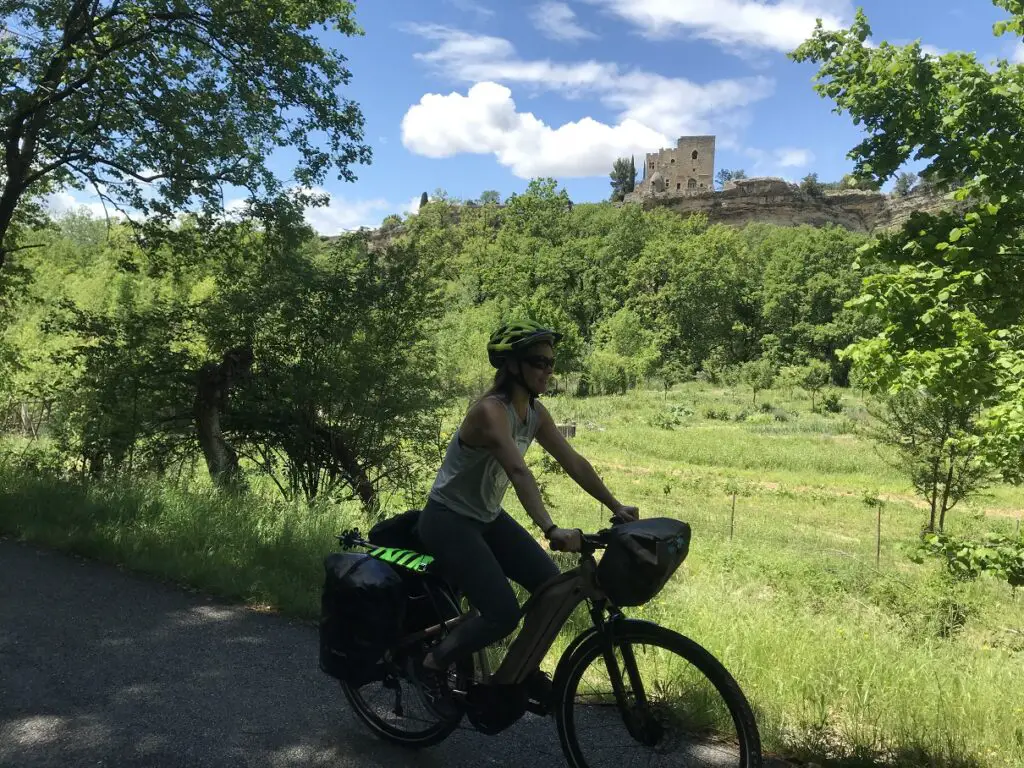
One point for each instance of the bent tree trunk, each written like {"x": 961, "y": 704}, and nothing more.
{"x": 213, "y": 386}
{"x": 350, "y": 466}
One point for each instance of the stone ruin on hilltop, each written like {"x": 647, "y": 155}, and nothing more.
{"x": 682, "y": 180}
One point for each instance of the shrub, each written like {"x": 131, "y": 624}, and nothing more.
{"x": 713, "y": 414}
{"x": 665, "y": 420}
{"x": 831, "y": 402}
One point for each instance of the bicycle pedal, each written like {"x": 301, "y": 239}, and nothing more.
{"x": 541, "y": 708}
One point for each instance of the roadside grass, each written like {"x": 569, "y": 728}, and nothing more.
{"x": 846, "y": 663}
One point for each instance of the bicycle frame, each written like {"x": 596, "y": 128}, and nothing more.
{"x": 546, "y": 612}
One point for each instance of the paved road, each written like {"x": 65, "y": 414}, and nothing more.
{"x": 99, "y": 667}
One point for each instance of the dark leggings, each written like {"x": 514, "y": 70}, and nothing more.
{"x": 480, "y": 558}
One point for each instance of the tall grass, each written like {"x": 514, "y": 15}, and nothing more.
{"x": 259, "y": 551}
{"x": 846, "y": 663}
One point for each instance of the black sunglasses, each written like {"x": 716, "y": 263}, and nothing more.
{"x": 540, "y": 362}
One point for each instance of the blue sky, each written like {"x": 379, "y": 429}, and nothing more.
{"x": 470, "y": 95}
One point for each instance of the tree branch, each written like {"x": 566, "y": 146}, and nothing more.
{"x": 23, "y": 248}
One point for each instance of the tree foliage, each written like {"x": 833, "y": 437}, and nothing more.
{"x": 623, "y": 178}
{"x": 334, "y": 392}
{"x": 810, "y": 185}
{"x": 904, "y": 184}
{"x": 156, "y": 107}
{"x": 724, "y": 176}
{"x": 936, "y": 442}
{"x": 321, "y": 368}
{"x": 951, "y": 294}
{"x": 759, "y": 375}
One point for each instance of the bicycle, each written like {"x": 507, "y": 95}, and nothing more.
{"x": 698, "y": 715}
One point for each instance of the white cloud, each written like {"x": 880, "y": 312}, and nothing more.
{"x": 734, "y": 24}
{"x": 64, "y": 202}
{"x": 485, "y": 121}
{"x": 558, "y": 21}
{"x": 470, "y": 6}
{"x": 341, "y": 215}
{"x": 671, "y": 106}
{"x": 1018, "y": 54}
{"x": 413, "y": 206}
{"x": 932, "y": 50}
{"x": 793, "y": 158}
{"x": 782, "y": 157}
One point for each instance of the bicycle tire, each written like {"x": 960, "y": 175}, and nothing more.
{"x": 631, "y": 632}
{"x": 427, "y": 736}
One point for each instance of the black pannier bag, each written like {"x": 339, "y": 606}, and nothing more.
{"x": 362, "y": 611}
{"x": 398, "y": 531}
{"x": 641, "y": 557}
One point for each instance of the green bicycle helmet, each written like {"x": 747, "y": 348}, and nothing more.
{"x": 513, "y": 337}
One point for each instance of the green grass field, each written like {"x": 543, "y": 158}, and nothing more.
{"x": 846, "y": 663}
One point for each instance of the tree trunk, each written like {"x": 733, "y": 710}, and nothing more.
{"x": 26, "y": 121}
{"x": 350, "y": 465}
{"x": 945, "y": 490}
{"x": 214, "y": 382}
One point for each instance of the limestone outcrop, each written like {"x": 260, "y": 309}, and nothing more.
{"x": 776, "y": 201}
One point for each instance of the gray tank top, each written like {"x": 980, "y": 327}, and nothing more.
{"x": 470, "y": 480}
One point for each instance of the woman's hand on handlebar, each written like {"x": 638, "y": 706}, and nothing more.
{"x": 626, "y": 514}
{"x": 566, "y": 540}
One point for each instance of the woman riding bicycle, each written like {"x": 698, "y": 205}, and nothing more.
{"x": 474, "y": 541}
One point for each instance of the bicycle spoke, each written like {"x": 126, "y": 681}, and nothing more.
{"x": 677, "y": 718}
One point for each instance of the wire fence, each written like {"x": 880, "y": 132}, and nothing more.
{"x": 869, "y": 530}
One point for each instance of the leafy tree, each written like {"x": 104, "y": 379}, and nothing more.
{"x": 759, "y": 375}
{"x": 937, "y": 444}
{"x": 790, "y": 377}
{"x": 904, "y": 184}
{"x": 672, "y": 372}
{"x": 811, "y": 186}
{"x": 851, "y": 181}
{"x": 424, "y": 199}
{"x": 490, "y": 197}
{"x": 344, "y": 393}
{"x": 951, "y": 301}
{"x": 724, "y": 176}
{"x": 156, "y": 107}
{"x": 461, "y": 343}
{"x": 623, "y": 335}
{"x": 813, "y": 378}
{"x": 807, "y": 277}
{"x": 623, "y": 178}
{"x": 705, "y": 296}
{"x": 609, "y": 373}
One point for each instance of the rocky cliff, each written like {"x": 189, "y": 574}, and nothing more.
{"x": 776, "y": 201}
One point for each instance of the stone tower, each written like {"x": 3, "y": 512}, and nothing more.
{"x": 688, "y": 168}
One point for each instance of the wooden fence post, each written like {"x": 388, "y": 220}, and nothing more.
{"x": 878, "y": 537}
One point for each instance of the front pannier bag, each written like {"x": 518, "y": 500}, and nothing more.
{"x": 641, "y": 557}
{"x": 362, "y": 610}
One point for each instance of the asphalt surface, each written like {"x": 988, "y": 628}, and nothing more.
{"x": 100, "y": 667}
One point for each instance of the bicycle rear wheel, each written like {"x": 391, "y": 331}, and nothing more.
{"x": 679, "y": 705}
{"x": 393, "y": 708}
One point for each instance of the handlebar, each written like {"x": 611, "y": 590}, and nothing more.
{"x": 591, "y": 542}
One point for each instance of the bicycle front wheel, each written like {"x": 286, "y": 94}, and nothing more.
{"x": 676, "y": 704}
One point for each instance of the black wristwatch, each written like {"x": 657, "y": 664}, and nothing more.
{"x": 547, "y": 533}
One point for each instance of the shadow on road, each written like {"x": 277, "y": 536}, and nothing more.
{"x": 103, "y": 668}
